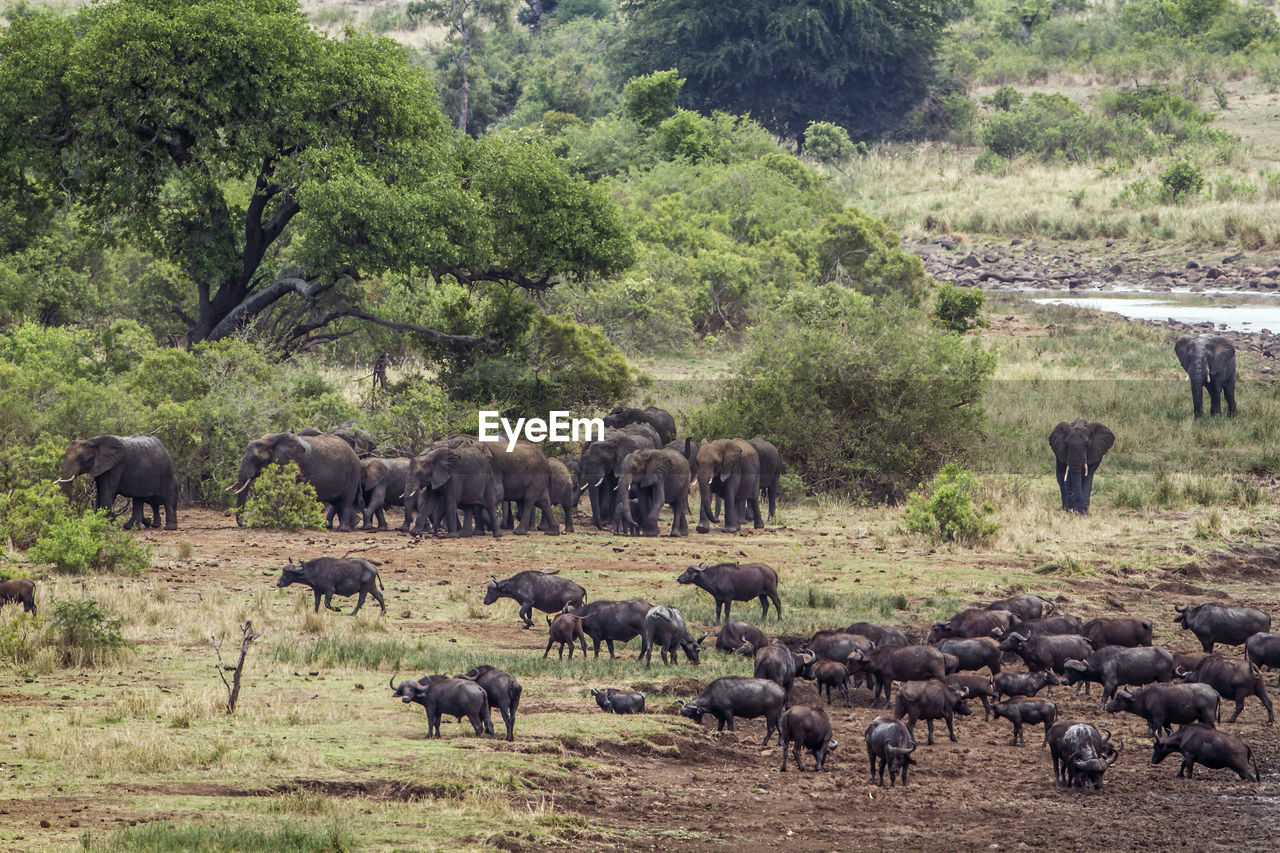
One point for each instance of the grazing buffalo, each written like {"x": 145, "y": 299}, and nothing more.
{"x": 974, "y": 653}
{"x": 534, "y": 589}
{"x": 19, "y": 590}
{"x": 775, "y": 662}
{"x": 1080, "y": 753}
{"x": 1262, "y": 648}
{"x": 614, "y": 701}
{"x": 1218, "y": 623}
{"x": 730, "y": 582}
{"x": 1062, "y": 624}
{"x": 1026, "y": 606}
{"x": 972, "y": 623}
{"x": 735, "y": 635}
{"x": 1233, "y": 679}
{"x": 1210, "y": 747}
{"x": 1027, "y": 710}
{"x": 503, "y": 691}
{"x": 613, "y": 621}
{"x": 890, "y": 743}
{"x": 1163, "y": 705}
{"x": 881, "y": 635}
{"x": 930, "y": 700}
{"x": 1047, "y": 652}
{"x": 979, "y": 687}
{"x": 1112, "y": 666}
{"x": 1024, "y": 683}
{"x": 830, "y": 674}
{"x": 440, "y": 696}
{"x": 802, "y": 727}
{"x": 730, "y": 697}
{"x": 1122, "y": 631}
{"x": 838, "y": 645}
{"x": 330, "y": 576}
{"x": 664, "y": 627}
{"x": 566, "y": 628}
{"x": 1188, "y": 660}
{"x": 888, "y": 664}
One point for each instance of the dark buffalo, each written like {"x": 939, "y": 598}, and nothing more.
{"x": 1082, "y": 753}
{"x": 1063, "y": 624}
{"x": 979, "y": 687}
{"x": 534, "y": 589}
{"x": 566, "y": 628}
{"x": 1023, "y": 683}
{"x": 776, "y": 663}
{"x": 1210, "y": 747}
{"x": 830, "y": 674}
{"x": 503, "y": 691}
{"x": 890, "y": 743}
{"x": 734, "y": 635}
{"x": 888, "y": 664}
{"x": 1188, "y": 660}
{"x": 1113, "y": 666}
{"x": 972, "y": 623}
{"x": 440, "y": 696}
{"x": 802, "y": 727}
{"x": 838, "y": 645}
{"x": 730, "y": 697}
{"x": 664, "y": 627}
{"x": 20, "y": 590}
{"x": 1122, "y": 631}
{"x": 1262, "y": 648}
{"x": 1049, "y": 652}
{"x": 330, "y": 576}
{"x": 730, "y": 582}
{"x": 974, "y": 653}
{"x": 613, "y": 701}
{"x": 930, "y": 700}
{"x": 613, "y": 621}
{"x": 1026, "y": 710}
{"x": 1163, "y": 705}
{"x": 881, "y": 635}
{"x": 1217, "y": 623}
{"x": 1026, "y": 606}
{"x": 1233, "y": 679}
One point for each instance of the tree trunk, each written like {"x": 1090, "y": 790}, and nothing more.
{"x": 464, "y": 112}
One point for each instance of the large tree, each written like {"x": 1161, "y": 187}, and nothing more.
{"x": 858, "y": 63}
{"x": 277, "y": 166}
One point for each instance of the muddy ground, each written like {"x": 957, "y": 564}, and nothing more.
{"x": 722, "y": 791}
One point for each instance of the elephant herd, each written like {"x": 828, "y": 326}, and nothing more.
{"x": 461, "y": 486}
{"x": 1210, "y": 362}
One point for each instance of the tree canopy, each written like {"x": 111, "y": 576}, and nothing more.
{"x": 276, "y": 166}
{"x": 858, "y": 63}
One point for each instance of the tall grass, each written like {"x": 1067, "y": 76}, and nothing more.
{"x": 164, "y": 836}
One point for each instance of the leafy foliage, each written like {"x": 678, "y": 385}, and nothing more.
{"x": 84, "y": 634}
{"x": 945, "y": 511}
{"x": 827, "y": 142}
{"x": 25, "y": 514}
{"x": 1180, "y": 181}
{"x": 89, "y": 543}
{"x": 282, "y": 500}
{"x": 650, "y": 99}
{"x": 958, "y": 309}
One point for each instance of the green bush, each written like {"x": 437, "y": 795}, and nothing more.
{"x": 83, "y": 634}
{"x": 1004, "y": 98}
{"x": 282, "y": 500}
{"x": 945, "y": 511}
{"x": 1180, "y": 181}
{"x": 827, "y": 142}
{"x": 958, "y": 309}
{"x": 89, "y": 543}
{"x": 651, "y": 99}
{"x": 25, "y": 514}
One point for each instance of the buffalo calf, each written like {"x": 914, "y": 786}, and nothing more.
{"x": 802, "y": 727}
{"x": 1025, "y": 710}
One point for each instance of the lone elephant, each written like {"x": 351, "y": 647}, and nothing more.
{"x": 1209, "y": 360}
{"x": 136, "y": 466}
{"x": 1079, "y": 447}
{"x": 325, "y": 461}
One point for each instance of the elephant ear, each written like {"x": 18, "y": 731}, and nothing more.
{"x": 1184, "y": 348}
{"x": 729, "y": 460}
{"x": 620, "y": 464}
{"x": 108, "y": 452}
{"x": 287, "y": 447}
{"x": 655, "y": 471}
{"x": 1058, "y": 439}
{"x": 1101, "y": 440}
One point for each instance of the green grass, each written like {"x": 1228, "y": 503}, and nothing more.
{"x": 164, "y": 836}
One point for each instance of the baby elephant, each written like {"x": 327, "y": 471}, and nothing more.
{"x": 614, "y": 701}
{"x": 330, "y": 576}
{"x": 1022, "y": 711}
{"x": 19, "y": 590}
{"x": 1209, "y": 746}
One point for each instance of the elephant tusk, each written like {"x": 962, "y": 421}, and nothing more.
{"x": 597, "y": 483}
{"x": 236, "y": 491}
{"x": 1086, "y": 469}
{"x": 1064, "y": 475}
{"x": 63, "y": 480}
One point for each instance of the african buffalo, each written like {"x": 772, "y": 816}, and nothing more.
{"x": 1080, "y": 753}
{"x": 890, "y": 743}
{"x": 730, "y": 582}
{"x": 837, "y": 645}
{"x": 830, "y": 674}
{"x": 1262, "y": 648}
{"x": 730, "y": 697}
{"x": 802, "y": 727}
{"x": 566, "y": 628}
{"x": 1233, "y": 679}
{"x": 614, "y": 701}
{"x": 974, "y": 653}
{"x": 734, "y": 635}
{"x": 1047, "y": 651}
{"x": 979, "y": 687}
{"x": 1218, "y": 623}
{"x": 612, "y": 621}
{"x": 881, "y": 635}
{"x": 330, "y": 576}
{"x": 973, "y": 622}
{"x": 1063, "y": 624}
{"x": 930, "y": 700}
{"x": 23, "y": 591}
{"x": 776, "y": 663}
{"x": 535, "y": 589}
{"x": 503, "y": 691}
{"x": 1026, "y": 710}
{"x": 1026, "y": 606}
{"x": 1023, "y": 683}
{"x": 888, "y": 664}
{"x": 664, "y": 627}
{"x": 1112, "y": 666}
{"x": 1163, "y": 705}
{"x": 441, "y": 695}
{"x": 1210, "y": 747}
{"x": 1121, "y": 631}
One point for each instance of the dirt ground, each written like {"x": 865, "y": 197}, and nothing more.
{"x": 723, "y": 791}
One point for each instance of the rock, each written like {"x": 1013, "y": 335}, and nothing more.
{"x": 970, "y": 261}
{"x": 1233, "y": 258}
{"x": 1214, "y": 272}
{"x": 1192, "y": 265}
{"x": 1116, "y": 269}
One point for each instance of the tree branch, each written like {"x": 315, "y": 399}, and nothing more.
{"x": 303, "y": 329}
{"x": 498, "y": 275}
{"x": 263, "y": 299}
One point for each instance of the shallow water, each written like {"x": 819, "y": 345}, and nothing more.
{"x": 1240, "y": 312}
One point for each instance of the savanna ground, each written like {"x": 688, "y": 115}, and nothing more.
{"x": 139, "y": 754}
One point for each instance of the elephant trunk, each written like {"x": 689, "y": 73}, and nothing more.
{"x": 704, "y": 508}
{"x": 623, "y": 494}
{"x": 1199, "y": 376}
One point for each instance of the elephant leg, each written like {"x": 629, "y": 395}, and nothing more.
{"x": 1229, "y": 391}
{"x": 715, "y": 511}
{"x": 1062, "y": 482}
{"x": 551, "y": 526}
{"x": 732, "y": 522}
{"x": 1215, "y": 396}
{"x": 753, "y": 503}
{"x": 568, "y": 517}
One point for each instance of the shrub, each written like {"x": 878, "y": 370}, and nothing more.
{"x": 82, "y": 633}
{"x": 945, "y": 511}
{"x": 827, "y": 142}
{"x": 958, "y": 309}
{"x": 282, "y": 500}
{"x": 25, "y": 514}
{"x": 1180, "y": 181}
{"x": 90, "y": 542}
{"x": 650, "y": 99}
{"x": 19, "y": 637}
{"x": 1004, "y": 98}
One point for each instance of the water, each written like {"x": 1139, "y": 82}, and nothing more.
{"x": 1239, "y": 312}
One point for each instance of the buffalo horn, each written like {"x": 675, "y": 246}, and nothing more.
{"x": 392, "y": 682}
{"x": 834, "y": 744}
{"x": 1181, "y": 608}
{"x": 700, "y": 639}
{"x": 1180, "y": 672}
{"x": 681, "y": 702}
{"x": 900, "y": 750}
{"x": 809, "y": 656}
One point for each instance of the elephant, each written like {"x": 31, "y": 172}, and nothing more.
{"x": 770, "y": 470}
{"x": 730, "y": 468}
{"x": 659, "y": 419}
{"x": 1079, "y": 447}
{"x": 564, "y": 492}
{"x": 381, "y": 485}
{"x": 598, "y": 465}
{"x": 1209, "y": 360}
{"x": 361, "y": 443}
{"x": 446, "y": 478}
{"x": 660, "y": 477}
{"x": 136, "y": 466}
{"x": 526, "y": 479}
{"x": 325, "y": 461}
